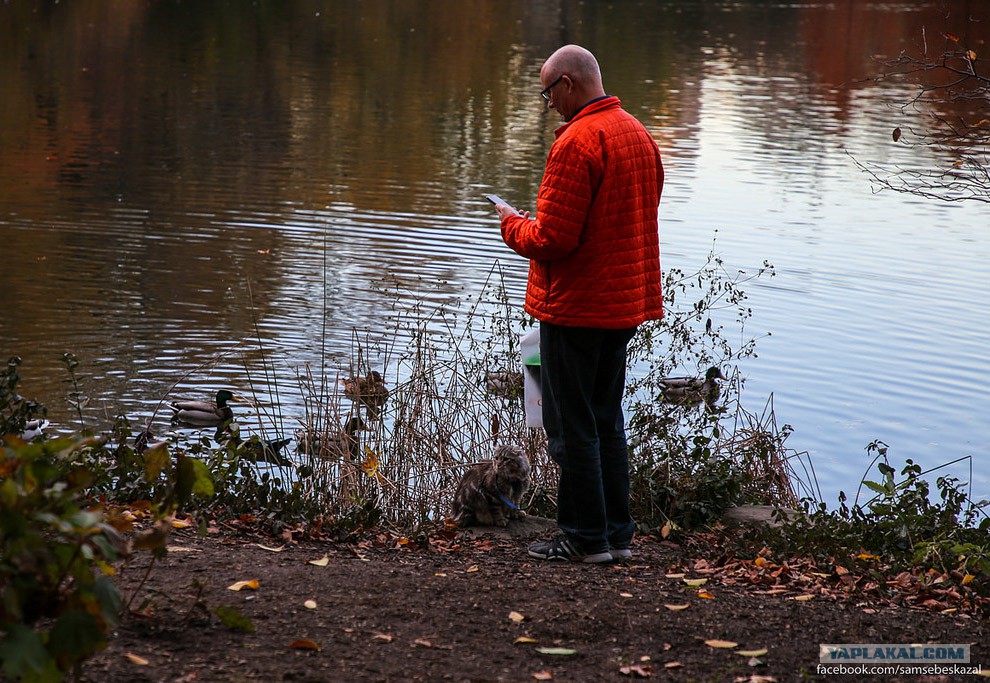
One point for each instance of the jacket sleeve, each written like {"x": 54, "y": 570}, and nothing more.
{"x": 566, "y": 192}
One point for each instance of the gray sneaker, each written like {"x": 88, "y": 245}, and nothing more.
{"x": 620, "y": 553}
{"x": 561, "y": 548}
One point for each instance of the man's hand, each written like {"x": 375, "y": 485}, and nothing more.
{"x": 504, "y": 210}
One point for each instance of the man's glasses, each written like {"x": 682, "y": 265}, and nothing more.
{"x": 545, "y": 93}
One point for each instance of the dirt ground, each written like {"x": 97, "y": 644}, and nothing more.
{"x": 472, "y": 606}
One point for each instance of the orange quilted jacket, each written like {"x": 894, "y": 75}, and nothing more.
{"x": 594, "y": 246}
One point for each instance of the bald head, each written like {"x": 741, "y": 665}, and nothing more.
{"x": 576, "y": 62}
{"x": 582, "y": 79}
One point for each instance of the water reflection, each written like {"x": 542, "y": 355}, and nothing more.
{"x": 181, "y": 183}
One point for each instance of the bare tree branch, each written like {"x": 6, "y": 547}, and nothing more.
{"x": 954, "y": 96}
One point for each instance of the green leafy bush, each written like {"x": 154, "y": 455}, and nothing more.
{"x": 902, "y": 524}
{"x": 57, "y": 601}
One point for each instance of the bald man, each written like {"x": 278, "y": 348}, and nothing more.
{"x": 594, "y": 276}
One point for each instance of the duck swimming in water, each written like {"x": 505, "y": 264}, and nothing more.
{"x": 369, "y": 391}
{"x": 204, "y": 413}
{"x": 690, "y": 391}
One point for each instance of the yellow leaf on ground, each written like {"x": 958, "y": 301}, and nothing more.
{"x": 752, "y": 653}
{"x": 706, "y": 595}
{"x": 867, "y": 556}
{"x": 721, "y": 644}
{"x": 967, "y": 579}
{"x": 322, "y": 562}
{"x": 556, "y": 651}
{"x": 522, "y": 640}
{"x": 181, "y": 523}
{"x": 803, "y": 598}
{"x": 543, "y": 675}
{"x": 516, "y": 617}
{"x": 270, "y": 549}
{"x": 310, "y": 604}
{"x": 252, "y": 584}
{"x": 672, "y": 665}
{"x": 637, "y": 670}
{"x": 473, "y": 568}
{"x": 304, "y": 644}
{"x": 676, "y": 608}
{"x": 384, "y": 637}
{"x": 625, "y": 595}
{"x": 675, "y": 576}
{"x": 135, "y": 659}
{"x": 694, "y": 583}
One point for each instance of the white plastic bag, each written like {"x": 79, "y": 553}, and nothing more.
{"x": 532, "y": 397}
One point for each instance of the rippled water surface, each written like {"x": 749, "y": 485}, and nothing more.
{"x": 178, "y": 182}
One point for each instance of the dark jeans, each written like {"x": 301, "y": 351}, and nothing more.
{"x": 583, "y": 373}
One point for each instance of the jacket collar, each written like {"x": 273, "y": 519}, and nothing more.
{"x": 593, "y": 107}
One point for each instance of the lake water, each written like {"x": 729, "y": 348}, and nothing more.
{"x": 180, "y": 180}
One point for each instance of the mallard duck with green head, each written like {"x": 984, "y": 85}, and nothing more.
{"x": 691, "y": 391}
{"x": 204, "y": 413}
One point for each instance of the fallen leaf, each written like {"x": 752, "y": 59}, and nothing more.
{"x": 556, "y": 651}
{"x": 694, "y": 583}
{"x": 310, "y": 604}
{"x": 543, "y": 675}
{"x": 672, "y": 665}
{"x": 252, "y": 584}
{"x": 473, "y": 568}
{"x": 516, "y": 617}
{"x": 233, "y": 620}
{"x": 521, "y": 640}
{"x": 896, "y": 135}
{"x": 303, "y": 644}
{"x": 135, "y": 659}
{"x": 181, "y": 523}
{"x": 384, "y": 637}
{"x": 752, "y": 653}
{"x": 422, "y": 642}
{"x": 637, "y": 670}
{"x": 721, "y": 644}
{"x": 869, "y": 556}
{"x": 967, "y": 579}
{"x": 270, "y": 549}
{"x": 971, "y": 54}
{"x": 676, "y": 608}
{"x": 675, "y": 576}
{"x": 625, "y": 595}
{"x": 322, "y": 562}
{"x": 706, "y": 595}
{"x": 803, "y": 598}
